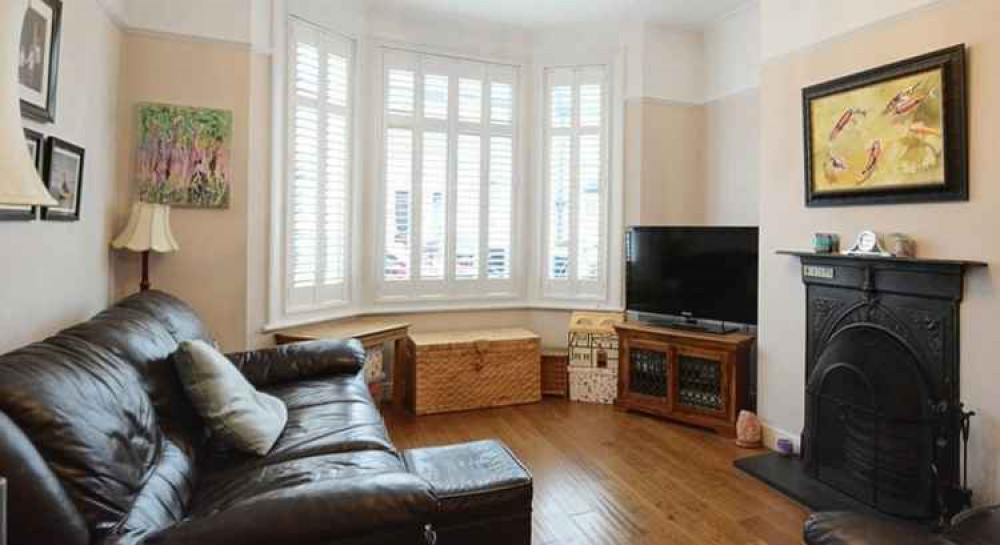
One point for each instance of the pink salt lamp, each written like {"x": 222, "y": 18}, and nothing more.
{"x": 748, "y": 430}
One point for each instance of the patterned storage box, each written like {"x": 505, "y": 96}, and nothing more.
{"x": 462, "y": 370}
{"x": 593, "y": 357}
{"x": 592, "y": 339}
{"x": 593, "y": 385}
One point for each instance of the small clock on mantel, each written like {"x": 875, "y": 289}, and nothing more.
{"x": 868, "y": 243}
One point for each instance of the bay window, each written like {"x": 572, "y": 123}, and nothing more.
{"x": 448, "y": 179}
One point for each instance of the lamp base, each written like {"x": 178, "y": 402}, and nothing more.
{"x": 144, "y": 284}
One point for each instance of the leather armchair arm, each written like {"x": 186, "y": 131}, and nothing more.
{"x": 390, "y": 508}
{"x": 841, "y": 528}
{"x": 299, "y": 361}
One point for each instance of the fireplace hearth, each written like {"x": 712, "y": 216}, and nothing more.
{"x": 883, "y": 416}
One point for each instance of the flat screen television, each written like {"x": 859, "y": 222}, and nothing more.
{"x": 693, "y": 274}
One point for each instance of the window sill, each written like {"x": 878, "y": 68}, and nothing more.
{"x": 425, "y": 307}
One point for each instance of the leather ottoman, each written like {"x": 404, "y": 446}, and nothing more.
{"x": 484, "y": 493}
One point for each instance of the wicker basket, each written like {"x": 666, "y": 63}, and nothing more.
{"x": 555, "y": 372}
{"x": 459, "y": 371}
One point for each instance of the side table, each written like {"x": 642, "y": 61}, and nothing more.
{"x": 372, "y": 332}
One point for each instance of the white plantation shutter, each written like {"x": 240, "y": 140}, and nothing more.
{"x": 448, "y": 178}
{"x": 434, "y": 209}
{"x": 398, "y": 205}
{"x": 319, "y": 168}
{"x": 501, "y": 207}
{"x": 467, "y": 210}
{"x": 576, "y": 182}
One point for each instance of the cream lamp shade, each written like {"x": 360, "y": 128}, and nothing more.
{"x": 148, "y": 230}
{"x": 19, "y": 181}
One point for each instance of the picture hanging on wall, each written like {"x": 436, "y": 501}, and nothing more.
{"x": 895, "y": 134}
{"x": 35, "y": 141}
{"x": 64, "y": 180}
{"x": 38, "y": 59}
{"x": 184, "y": 156}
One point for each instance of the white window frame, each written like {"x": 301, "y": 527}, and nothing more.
{"x": 572, "y": 293}
{"x": 283, "y": 311}
{"x": 420, "y": 294}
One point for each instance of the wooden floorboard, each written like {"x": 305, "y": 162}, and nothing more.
{"x": 607, "y": 477}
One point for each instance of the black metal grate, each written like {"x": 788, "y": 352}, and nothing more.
{"x": 648, "y": 373}
{"x": 700, "y": 383}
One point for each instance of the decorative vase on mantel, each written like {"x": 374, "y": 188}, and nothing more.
{"x": 748, "y": 434}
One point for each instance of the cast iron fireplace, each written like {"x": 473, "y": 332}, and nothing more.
{"x": 883, "y": 417}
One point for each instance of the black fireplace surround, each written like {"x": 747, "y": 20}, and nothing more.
{"x": 882, "y": 410}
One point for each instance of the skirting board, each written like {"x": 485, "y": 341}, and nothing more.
{"x": 771, "y": 435}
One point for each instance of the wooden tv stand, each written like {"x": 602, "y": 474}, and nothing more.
{"x": 688, "y": 376}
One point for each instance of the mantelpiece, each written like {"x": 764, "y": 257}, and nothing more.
{"x": 885, "y": 259}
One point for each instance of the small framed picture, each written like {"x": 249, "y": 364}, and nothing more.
{"x": 38, "y": 59}
{"x": 35, "y": 141}
{"x": 64, "y": 179}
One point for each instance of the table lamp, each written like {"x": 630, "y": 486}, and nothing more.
{"x": 148, "y": 230}
{"x": 19, "y": 181}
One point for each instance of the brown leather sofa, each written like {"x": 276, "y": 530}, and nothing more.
{"x": 100, "y": 445}
{"x": 975, "y": 527}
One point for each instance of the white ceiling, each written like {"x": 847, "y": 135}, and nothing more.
{"x": 535, "y": 13}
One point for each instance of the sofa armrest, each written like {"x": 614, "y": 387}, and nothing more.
{"x": 842, "y": 528}
{"x": 385, "y": 508}
{"x": 299, "y": 361}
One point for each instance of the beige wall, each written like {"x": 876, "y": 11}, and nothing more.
{"x": 732, "y": 165}
{"x": 664, "y": 162}
{"x": 210, "y": 270}
{"x": 54, "y": 273}
{"x": 692, "y": 164}
{"x": 959, "y": 230}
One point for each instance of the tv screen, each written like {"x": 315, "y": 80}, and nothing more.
{"x": 704, "y": 273}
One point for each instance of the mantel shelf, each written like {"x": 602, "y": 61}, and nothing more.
{"x": 885, "y": 259}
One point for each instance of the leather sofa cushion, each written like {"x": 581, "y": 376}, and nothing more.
{"x": 318, "y": 512}
{"x": 842, "y": 528}
{"x": 103, "y": 407}
{"x": 977, "y": 527}
{"x": 300, "y": 361}
{"x": 473, "y": 479}
{"x": 326, "y": 416}
{"x": 165, "y": 497}
{"x": 86, "y": 412}
{"x": 224, "y": 489}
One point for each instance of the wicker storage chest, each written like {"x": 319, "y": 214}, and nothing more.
{"x": 463, "y": 370}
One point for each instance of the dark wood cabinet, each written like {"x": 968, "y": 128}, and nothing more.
{"x": 692, "y": 377}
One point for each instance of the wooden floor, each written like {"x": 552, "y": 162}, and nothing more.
{"x": 607, "y": 477}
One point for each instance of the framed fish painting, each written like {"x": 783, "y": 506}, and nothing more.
{"x": 891, "y": 135}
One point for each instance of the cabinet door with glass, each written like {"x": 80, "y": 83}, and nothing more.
{"x": 702, "y": 380}
{"x": 645, "y": 372}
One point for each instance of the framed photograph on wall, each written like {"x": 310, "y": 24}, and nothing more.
{"x": 894, "y": 134}
{"x": 38, "y": 59}
{"x": 35, "y": 142}
{"x": 64, "y": 179}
